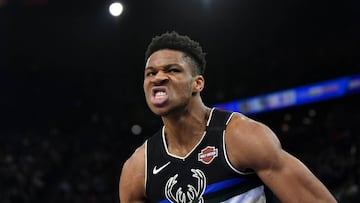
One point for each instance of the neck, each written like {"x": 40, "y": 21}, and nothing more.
{"x": 184, "y": 130}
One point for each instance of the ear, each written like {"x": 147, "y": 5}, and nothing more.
{"x": 199, "y": 83}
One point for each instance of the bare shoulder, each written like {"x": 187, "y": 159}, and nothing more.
{"x": 136, "y": 159}
{"x": 250, "y": 143}
{"x": 132, "y": 178}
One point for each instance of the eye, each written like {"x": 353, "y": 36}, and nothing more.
{"x": 150, "y": 73}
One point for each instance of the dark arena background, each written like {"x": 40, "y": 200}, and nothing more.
{"x": 72, "y": 108}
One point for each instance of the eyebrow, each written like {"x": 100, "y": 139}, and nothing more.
{"x": 165, "y": 67}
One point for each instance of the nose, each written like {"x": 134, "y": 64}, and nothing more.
{"x": 160, "y": 78}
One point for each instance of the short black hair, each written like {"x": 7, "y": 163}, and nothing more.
{"x": 174, "y": 41}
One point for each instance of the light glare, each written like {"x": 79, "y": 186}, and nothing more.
{"x": 136, "y": 129}
{"x": 116, "y": 9}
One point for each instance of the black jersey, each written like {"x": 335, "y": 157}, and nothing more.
{"x": 204, "y": 175}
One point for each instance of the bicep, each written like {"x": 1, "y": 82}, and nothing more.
{"x": 255, "y": 146}
{"x": 292, "y": 181}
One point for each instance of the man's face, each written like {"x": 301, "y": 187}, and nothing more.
{"x": 169, "y": 84}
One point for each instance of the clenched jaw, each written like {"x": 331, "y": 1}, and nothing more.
{"x": 159, "y": 96}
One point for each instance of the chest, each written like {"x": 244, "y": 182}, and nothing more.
{"x": 203, "y": 170}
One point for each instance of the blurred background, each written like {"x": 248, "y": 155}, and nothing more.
{"x": 72, "y": 108}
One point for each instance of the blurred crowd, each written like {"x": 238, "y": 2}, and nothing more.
{"x": 57, "y": 168}
{"x": 83, "y": 165}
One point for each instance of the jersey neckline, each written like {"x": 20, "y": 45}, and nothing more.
{"x": 193, "y": 149}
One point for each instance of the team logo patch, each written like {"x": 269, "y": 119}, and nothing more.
{"x": 191, "y": 194}
{"x": 208, "y": 154}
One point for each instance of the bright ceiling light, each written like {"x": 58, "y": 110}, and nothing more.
{"x": 116, "y": 9}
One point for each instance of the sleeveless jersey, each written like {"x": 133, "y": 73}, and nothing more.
{"x": 204, "y": 175}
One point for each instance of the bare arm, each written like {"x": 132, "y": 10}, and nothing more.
{"x": 132, "y": 179}
{"x": 253, "y": 145}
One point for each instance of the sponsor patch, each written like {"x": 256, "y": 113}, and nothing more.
{"x": 208, "y": 154}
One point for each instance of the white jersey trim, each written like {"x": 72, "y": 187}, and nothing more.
{"x": 256, "y": 195}
{"x": 226, "y": 156}
{"x": 145, "y": 154}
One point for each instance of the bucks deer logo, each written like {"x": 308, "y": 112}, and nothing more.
{"x": 192, "y": 194}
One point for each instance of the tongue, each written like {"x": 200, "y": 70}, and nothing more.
{"x": 159, "y": 100}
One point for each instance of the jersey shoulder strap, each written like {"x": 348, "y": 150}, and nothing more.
{"x": 219, "y": 120}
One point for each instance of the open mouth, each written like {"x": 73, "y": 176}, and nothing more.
{"x": 159, "y": 95}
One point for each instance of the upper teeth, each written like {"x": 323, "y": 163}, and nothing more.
{"x": 159, "y": 94}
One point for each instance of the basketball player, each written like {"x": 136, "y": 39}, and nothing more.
{"x": 203, "y": 154}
